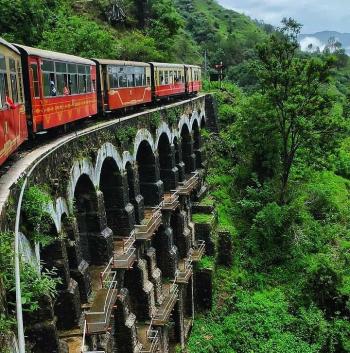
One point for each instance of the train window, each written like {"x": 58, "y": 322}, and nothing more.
{"x": 20, "y": 88}
{"x": 73, "y": 83}
{"x": 166, "y": 77}
{"x": 131, "y": 80}
{"x": 61, "y": 67}
{"x": 161, "y": 77}
{"x": 72, "y": 68}
{"x": 48, "y": 66}
{"x": 87, "y": 70}
{"x": 61, "y": 81}
{"x": 171, "y": 77}
{"x": 123, "y": 82}
{"x": 34, "y": 70}
{"x": 2, "y": 63}
{"x": 3, "y": 82}
{"x": 13, "y": 79}
{"x": 88, "y": 83}
{"x": 81, "y": 69}
{"x": 82, "y": 83}
{"x": 49, "y": 80}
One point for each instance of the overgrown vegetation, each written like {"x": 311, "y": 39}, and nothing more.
{"x": 288, "y": 290}
{"x": 34, "y": 284}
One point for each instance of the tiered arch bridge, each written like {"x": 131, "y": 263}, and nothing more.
{"x": 124, "y": 243}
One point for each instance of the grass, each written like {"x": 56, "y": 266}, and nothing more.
{"x": 202, "y": 218}
{"x": 207, "y": 201}
{"x": 206, "y": 263}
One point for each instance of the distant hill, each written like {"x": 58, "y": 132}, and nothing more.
{"x": 320, "y": 39}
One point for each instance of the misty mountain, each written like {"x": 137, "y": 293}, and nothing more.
{"x": 320, "y": 39}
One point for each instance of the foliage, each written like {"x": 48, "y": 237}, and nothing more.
{"x": 202, "y": 218}
{"x": 78, "y": 35}
{"x": 125, "y": 135}
{"x": 154, "y": 119}
{"x": 33, "y": 284}
{"x": 35, "y": 207}
{"x": 289, "y": 286}
{"x": 292, "y": 86}
{"x": 207, "y": 262}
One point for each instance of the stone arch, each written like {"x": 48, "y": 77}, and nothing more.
{"x": 127, "y": 158}
{"x": 184, "y": 120}
{"x": 168, "y": 169}
{"x": 133, "y": 186}
{"x": 187, "y": 150}
{"x": 197, "y": 143}
{"x": 163, "y": 129}
{"x": 114, "y": 186}
{"x": 86, "y": 208}
{"x": 107, "y": 151}
{"x": 151, "y": 186}
{"x": 194, "y": 118}
{"x": 178, "y": 158}
{"x": 202, "y": 121}
{"x": 81, "y": 167}
{"x": 141, "y": 136}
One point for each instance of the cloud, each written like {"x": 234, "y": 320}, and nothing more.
{"x": 304, "y": 44}
{"x": 315, "y": 15}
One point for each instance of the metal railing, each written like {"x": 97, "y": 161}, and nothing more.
{"x": 170, "y": 299}
{"x": 170, "y": 200}
{"x": 197, "y": 251}
{"x": 144, "y": 231}
{"x": 183, "y": 273}
{"x": 188, "y": 185}
{"x": 152, "y": 336}
{"x": 124, "y": 257}
{"x": 124, "y": 260}
{"x": 97, "y": 320}
{"x": 83, "y": 348}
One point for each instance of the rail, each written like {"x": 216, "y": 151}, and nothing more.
{"x": 101, "y": 309}
{"x": 164, "y": 310}
{"x": 152, "y": 336}
{"x": 170, "y": 200}
{"x": 84, "y": 349}
{"x": 197, "y": 251}
{"x": 184, "y": 271}
{"x": 124, "y": 252}
{"x": 188, "y": 185}
{"x": 145, "y": 231}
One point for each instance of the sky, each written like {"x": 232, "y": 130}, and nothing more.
{"x": 315, "y": 15}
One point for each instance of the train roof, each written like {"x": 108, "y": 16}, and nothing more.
{"x": 167, "y": 65}
{"x": 196, "y": 66}
{"x": 47, "y": 54}
{"x": 9, "y": 45}
{"x": 121, "y": 62}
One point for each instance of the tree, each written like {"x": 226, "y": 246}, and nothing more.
{"x": 293, "y": 85}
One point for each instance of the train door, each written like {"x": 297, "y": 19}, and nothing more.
{"x": 35, "y": 92}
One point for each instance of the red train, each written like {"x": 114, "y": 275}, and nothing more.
{"x": 41, "y": 89}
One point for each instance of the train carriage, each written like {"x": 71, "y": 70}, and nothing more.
{"x": 193, "y": 79}
{"x": 169, "y": 79}
{"x": 60, "y": 88}
{"x": 13, "y": 126}
{"x": 122, "y": 84}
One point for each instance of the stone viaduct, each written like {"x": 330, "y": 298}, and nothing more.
{"x": 124, "y": 244}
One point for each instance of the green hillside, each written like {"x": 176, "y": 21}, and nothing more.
{"x": 166, "y": 30}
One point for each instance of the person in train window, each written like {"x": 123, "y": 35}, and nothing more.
{"x": 53, "y": 91}
{"x": 66, "y": 91}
